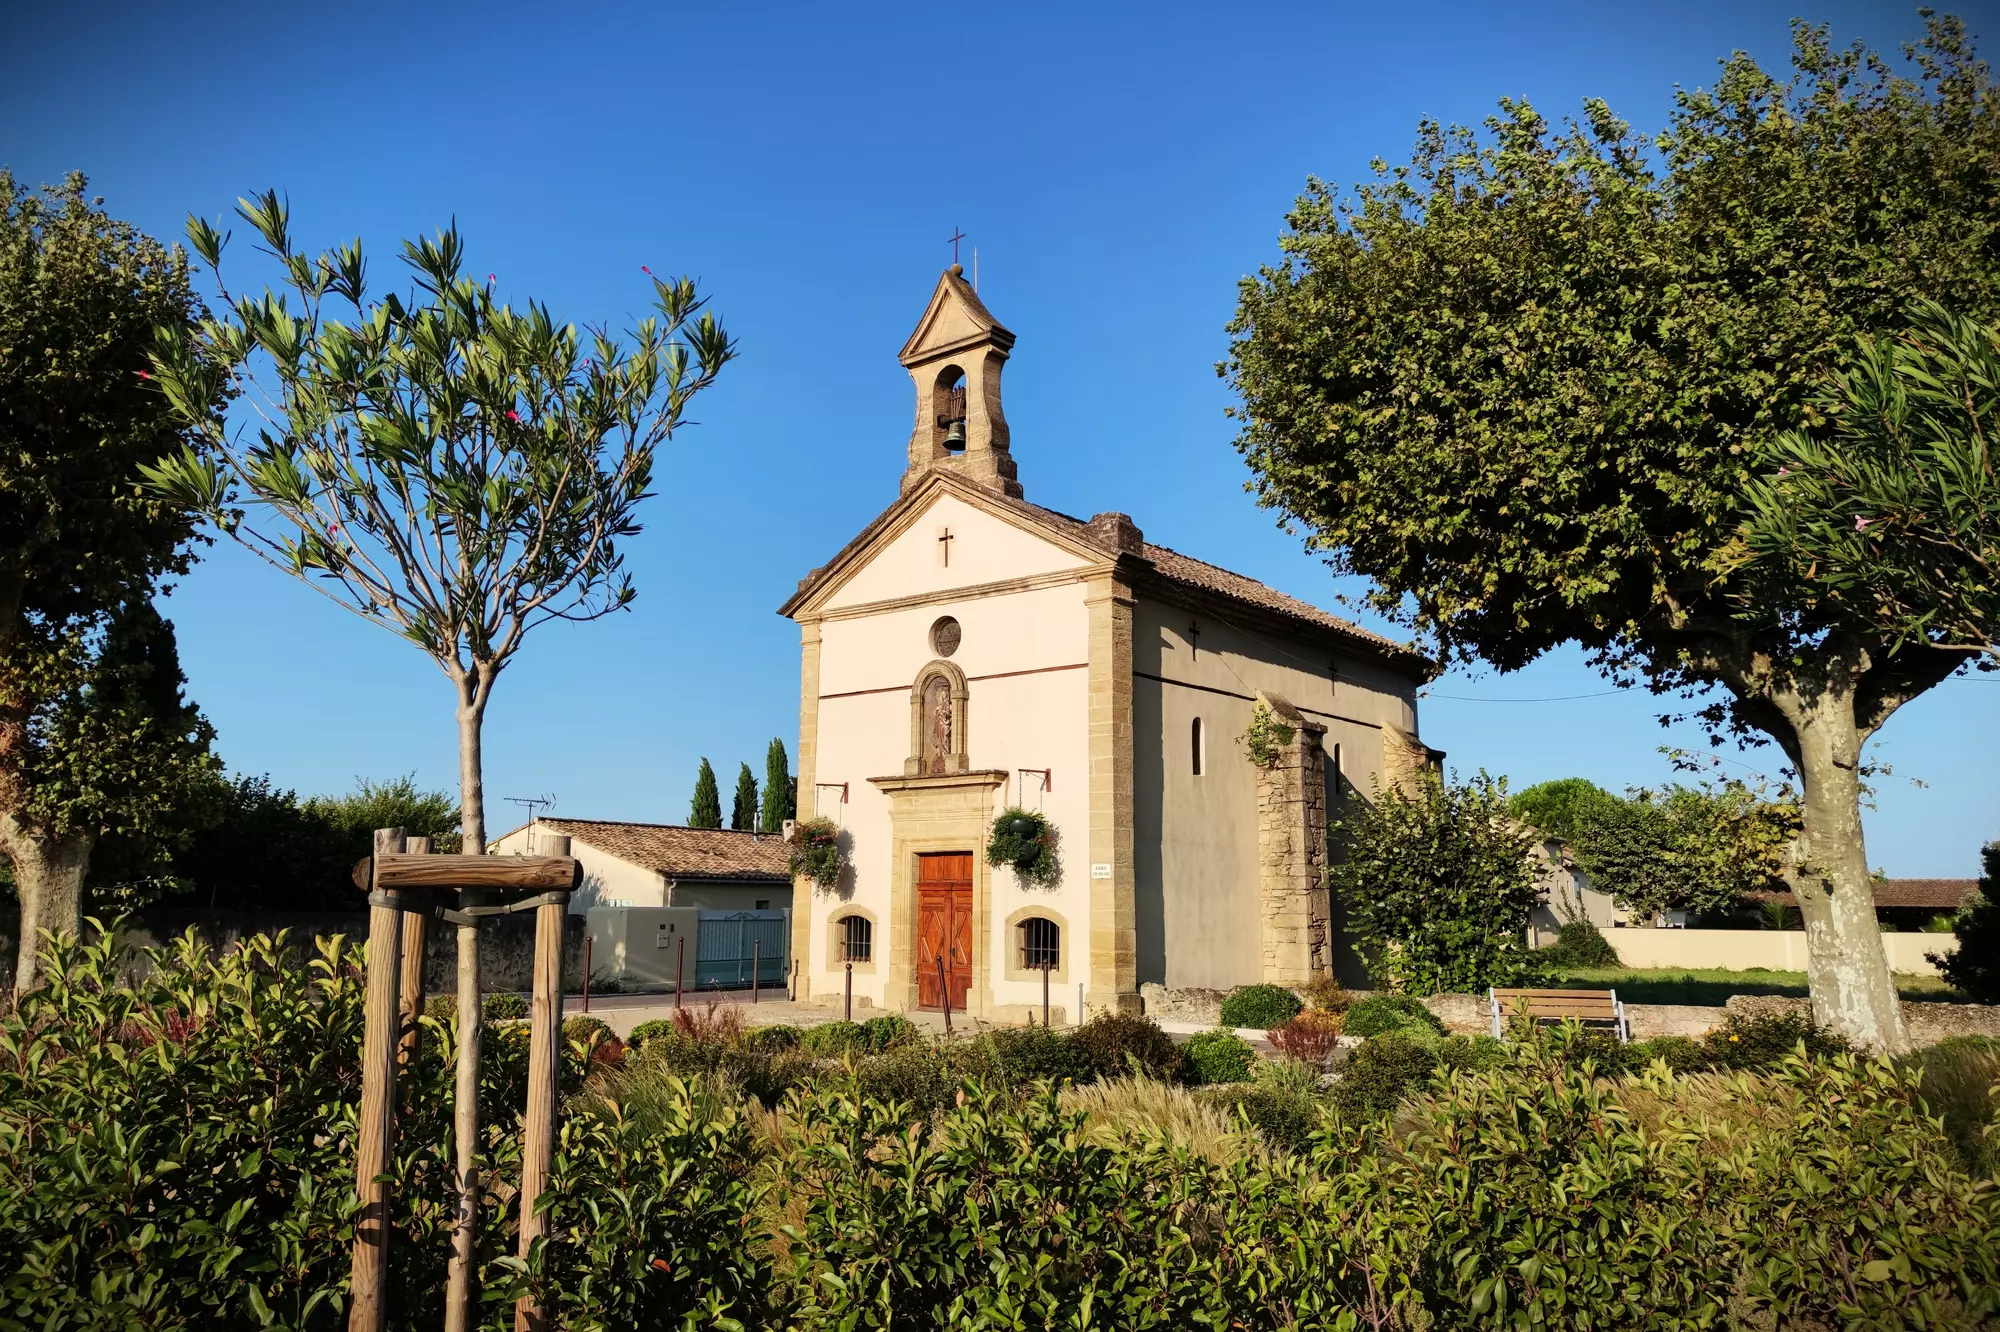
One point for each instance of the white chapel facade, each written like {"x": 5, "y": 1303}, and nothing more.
{"x": 969, "y": 651}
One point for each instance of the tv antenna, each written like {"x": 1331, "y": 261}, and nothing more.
{"x": 532, "y": 804}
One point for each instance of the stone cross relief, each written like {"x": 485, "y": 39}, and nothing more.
{"x": 937, "y": 724}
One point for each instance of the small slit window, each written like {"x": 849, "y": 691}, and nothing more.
{"x": 1196, "y": 745}
{"x": 1041, "y": 944}
{"x": 857, "y": 939}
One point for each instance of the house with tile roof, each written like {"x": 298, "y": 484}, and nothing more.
{"x": 1184, "y": 729}
{"x": 664, "y": 865}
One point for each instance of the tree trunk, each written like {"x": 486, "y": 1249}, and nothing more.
{"x": 473, "y": 688}
{"x": 1853, "y": 992}
{"x": 48, "y": 879}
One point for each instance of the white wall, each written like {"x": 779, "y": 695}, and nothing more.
{"x": 1774, "y": 950}
{"x": 1025, "y": 656}
{"x": 607, "y": 880}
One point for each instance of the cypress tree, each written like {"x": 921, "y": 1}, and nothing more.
{"x": 707, "y": 810}
{"x": 743, "y": 814}
{"x": 780, "y": 793}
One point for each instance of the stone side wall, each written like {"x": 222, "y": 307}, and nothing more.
{"x": 506, "y": 944}
{"x": 1291, "y": 852}
{"x": 1928, "y": 1021}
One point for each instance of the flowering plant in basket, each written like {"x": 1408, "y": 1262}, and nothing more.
{"x": 1026, "y": 840}
{"x": 816, "y": 852}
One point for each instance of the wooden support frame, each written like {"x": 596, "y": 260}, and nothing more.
{"x": 403, "y": 890}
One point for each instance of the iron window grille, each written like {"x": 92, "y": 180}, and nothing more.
{"x": 1041, "y": 944}
{"x": 857, "y": 939}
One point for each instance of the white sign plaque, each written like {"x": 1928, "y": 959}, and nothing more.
{"x": 1100, "y": 871}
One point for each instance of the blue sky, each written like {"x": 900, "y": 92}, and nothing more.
{"x": 1118, "y": 168}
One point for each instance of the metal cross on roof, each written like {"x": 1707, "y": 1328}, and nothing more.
{"x": 956, "y": 237}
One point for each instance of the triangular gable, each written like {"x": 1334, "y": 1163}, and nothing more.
{"x": 896, "y": 555}
{"x": 954, "y": 319}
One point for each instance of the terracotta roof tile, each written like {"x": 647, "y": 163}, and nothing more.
{"x": 689, "y": 853}
{"x": 1929, "y": 894}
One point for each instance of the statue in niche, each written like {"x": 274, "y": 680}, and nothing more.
{"x": 937, "y": 725}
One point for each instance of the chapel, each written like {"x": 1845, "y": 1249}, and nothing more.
{"x": 1185, "y": 730}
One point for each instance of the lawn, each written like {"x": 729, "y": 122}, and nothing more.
{"x": 1712, "y": 986}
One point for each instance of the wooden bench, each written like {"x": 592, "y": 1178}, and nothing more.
{"x": 1591, "y": 1007}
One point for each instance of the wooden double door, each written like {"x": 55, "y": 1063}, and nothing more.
{"x": 944, "y": 929}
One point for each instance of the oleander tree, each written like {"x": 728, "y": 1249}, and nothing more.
{"x": 1887, "y": 512}
{"x": 83, "y": 550}
{"x": 1523, "y": 382}
{"x": 441, "y": 463}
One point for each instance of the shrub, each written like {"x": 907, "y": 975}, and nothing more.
{"x": 1381, "y": 1073}
{"x": 1764, "y": 1040}
{"x": 1312, "y": 1038}
{"x": 443, "y": 1007}
{"x": 1974, "y": 969}
{"x": 1259, "y": 1006}
{"x": 587, "y": 1031}
{"x": 504, "y": 1007}
{"x": 1026, "y": 1054}
{"x": 645, "y": 1033}
{"x": 1437, "y": 886}
{"x": 1025, "y": 841}
{"x": 1580, "y": 944}
{"x": 888, "y": 1031}
{"x": 1116, "y": 1041}
{"x": 1139, "y": 1110}
{"x": 1327, "y": 993}
{"x": 1682, "y": 1054}
{"x": 1284, "y": 1117}
{"x": 1958, "y": 1076}
{"x": 1473, "y": 1054}
{"x": 774, "y": 1038}
{"x": 1380, "y": 1013}
{"x": 816, "y": 852}
{"x": 831, "y": 1040}
{"x": 912, "y": 1074}
{"x": 1218, "y": 1056}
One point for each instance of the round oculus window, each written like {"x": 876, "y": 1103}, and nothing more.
{"x": 945, "y": 636}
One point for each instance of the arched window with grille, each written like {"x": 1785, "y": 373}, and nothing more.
{"x": 1197, "y": 739}
{"x": 1041, "y": 944}
{"x": 857, "y": 939}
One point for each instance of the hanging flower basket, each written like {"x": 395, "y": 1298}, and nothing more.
{"x": 816, "y": 852}
{"x": 1026, "y": 841}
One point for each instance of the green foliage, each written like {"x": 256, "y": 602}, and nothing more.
{"x": 911, "y": 1075}
{"x": 1266, "y": 736}
{"x": 1522, "y": 384}
{"x": 442, "y": 463}
{"x": 706, "y": 809}
{"x": 1887, "y": 511}
{"x": 396, "y": 803}
{"x": 1556, "y": 809}
{"x": 1580, "y": 944}
{"x": 773, "y": 1038}
{"x": 507, "y": 1007}
{"x": 834, "y": 1038}
{"x": 1682, "y": 1054}
{"x": 816, "y": 852}
{"x": 1025, "y": 841}
{"x": 94, "y": 737}
{"x": 1380, "y": 1013}
{"x": 1026, "y": 1054}
{"x": 1259, "y": 1006}
{"x": 1437, "y": 886}
{"x": 1960, "y": 1074}
{"x": 778, "y": 802}
{"x": 1697, "y": 849}
{"x": 1285, "y": 1117}
{"x": 1120, "y": 1044}
{"x": 743, "y": 806}
{"x": 1312, "y": 1038}
{"x": 889, "y": 1030}
{"x": 1973, "y": 969}
{"x": 1764, "y": 1040}
{"x": 1218, "y": 1056}
{"x": 1382, "y": 1073}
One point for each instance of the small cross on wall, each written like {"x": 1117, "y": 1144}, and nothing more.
{"x": 1194, "y": 639}
{"x": 945, "y": 538}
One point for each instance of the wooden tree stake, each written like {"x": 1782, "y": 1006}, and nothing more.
{"x": 544, "y": 1076}
{"x": 375, "y": 1145}
{"x": 460, "y": 1306}
{"x": 410, "y": 990}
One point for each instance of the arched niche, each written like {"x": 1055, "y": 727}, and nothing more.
{"x": 938, "y": 707}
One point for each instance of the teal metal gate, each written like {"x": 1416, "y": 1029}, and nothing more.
{"x": 728, "y": 943}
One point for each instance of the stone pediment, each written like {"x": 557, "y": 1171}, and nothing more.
{"x": 954, "y": 320}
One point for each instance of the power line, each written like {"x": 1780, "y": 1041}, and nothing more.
{"x": 1559, "y": 698}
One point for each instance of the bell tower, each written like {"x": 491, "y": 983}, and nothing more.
{"x": 954, "y": 359}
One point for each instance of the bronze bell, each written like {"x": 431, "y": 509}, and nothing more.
{"x": 954, "y": 437}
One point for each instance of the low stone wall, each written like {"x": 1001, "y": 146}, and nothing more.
{"x": 1928, "y": 1020}
{"x": 1185, "y": 1005}
{"x": 506, "y": 943}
